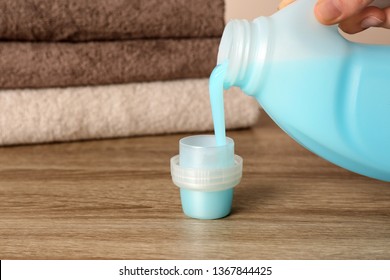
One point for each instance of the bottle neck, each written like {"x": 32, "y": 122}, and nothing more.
{"x": 244, "y": 45}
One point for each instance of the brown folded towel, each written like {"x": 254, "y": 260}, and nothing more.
{"x": 39, "y": 65}
{"x": 86, "y": 20}
{"x": 64, "y": 114}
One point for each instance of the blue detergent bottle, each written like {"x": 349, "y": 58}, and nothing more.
{"x": 331, "y": 95}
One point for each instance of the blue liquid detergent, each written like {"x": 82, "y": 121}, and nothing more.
{"x": 212, "y": 205}
{"x": 217, "y": 102}
{"x": 207, "y": 169}
{"x": 218, "y": 153}
{"x": 329, "y": 94}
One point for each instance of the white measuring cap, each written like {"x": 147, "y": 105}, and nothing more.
{"x": 206, "y": 175}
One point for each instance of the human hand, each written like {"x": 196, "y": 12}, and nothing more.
{"x": 352, "y": 16}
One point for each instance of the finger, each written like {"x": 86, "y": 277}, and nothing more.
{"x": 369, "y": 17}
{"x": 335, "y": 11}
{"x": 284, "y": 3}
{"x": 386, "y": 24}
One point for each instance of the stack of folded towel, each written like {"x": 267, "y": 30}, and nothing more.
{"x": 89, "y": 69}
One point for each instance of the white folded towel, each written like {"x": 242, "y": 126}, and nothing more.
{"x": 65, "y": 114}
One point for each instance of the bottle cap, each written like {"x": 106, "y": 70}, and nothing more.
{"x": 206, "y": 175}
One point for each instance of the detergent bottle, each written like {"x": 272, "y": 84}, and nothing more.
{"x": 329, "y": 94}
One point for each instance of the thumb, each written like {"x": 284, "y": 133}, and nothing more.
{"x": 335, "y": 11}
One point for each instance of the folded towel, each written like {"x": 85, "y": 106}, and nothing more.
{"x": 39, "y": 65}
{"x": 63, "y": 114}
{"x": 86, "y": 20}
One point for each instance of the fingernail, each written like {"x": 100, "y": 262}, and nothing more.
{"x": 328, "y": 10}
{"x": 371, "y": 21}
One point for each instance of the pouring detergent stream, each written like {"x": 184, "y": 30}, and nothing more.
{"x": 217, "y": 79}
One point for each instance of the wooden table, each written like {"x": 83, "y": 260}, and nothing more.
{"x": 115, "y": 199}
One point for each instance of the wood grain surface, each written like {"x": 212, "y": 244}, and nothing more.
{"x": 115, "y": 199}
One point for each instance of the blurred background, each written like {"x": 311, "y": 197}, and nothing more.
{"x": 250, "y": 9}
{"x": 81, "y": 69}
